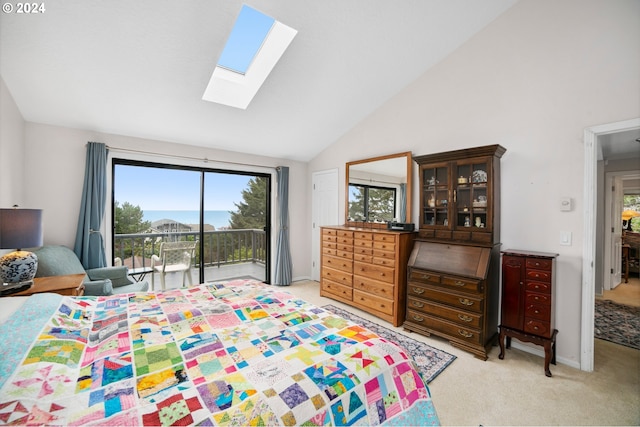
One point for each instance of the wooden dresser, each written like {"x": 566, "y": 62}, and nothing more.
{"x": 528, "y": 305}
{"x": 366, "y": 268}
{"x": 452, "y": 293}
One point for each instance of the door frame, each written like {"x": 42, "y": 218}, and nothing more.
{"x": 317, "y": 222}
{"x": 591, "y": 149}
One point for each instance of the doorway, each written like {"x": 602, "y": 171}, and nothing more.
{"x": 593, "y": 144}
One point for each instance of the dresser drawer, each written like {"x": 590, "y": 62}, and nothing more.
{"x": 543, "y": 288}
{"x": 378, "y": 253}
{"x": 357, "y": 243}
{"x": 464, "y": 302}
{"x": 329, "y": 238}
{"x": 338, "y": 263}
{"x": 337, "y": 289}
{"x": 385, "y": 246}
{"x": 423, "y": 276}
{"x": 343, "y": 240}
{"x": 454, "y": 331}
{"x": 362, "y": 251}
{"x": 337, "y": 276}
{"x": 471, "y": 320}
{"x": 536, "y": 298}
{"x": 329, "y": 232}
{"x": 377, "y": 272}
{"x": 373, "y": 287}
{"x": 391, "y": 263}
{"x": 462, "y": 284}
{"x": 542, "y": 276}
{"x": 344, "y": 233}
{"x": 389, "y": 238}
{"x": 537, "y": 327}
{"x": 380, "y": 304}
{"x": 363, "y": 235}
{"x": 344, "y": 247}
{"x": 363, "y": 258}
{"x": 538, "y": 311}
{"x": 539, "y": 264}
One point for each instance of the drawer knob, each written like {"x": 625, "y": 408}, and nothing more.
{"x": 465, "y": 334}
{"x": 465, "y": 318}
{"x": 426, "y": 276}
{"x": 537, "y": 311}
{"x": 465, "y": 301}
{"x": 418, "y": 318}
{"x": 459, "y": 283}
{"x": 418, "y": 304}
{"x": 418, "y": 290}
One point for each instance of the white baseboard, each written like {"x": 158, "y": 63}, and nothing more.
{"x": 538, "y": 351}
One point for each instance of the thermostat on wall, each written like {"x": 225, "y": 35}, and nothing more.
{"x": 566, "y": 204}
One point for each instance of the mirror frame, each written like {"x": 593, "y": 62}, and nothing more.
{"x": 409, "y": 189}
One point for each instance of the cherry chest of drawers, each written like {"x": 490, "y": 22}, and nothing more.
{"x": 366, "y": 269}
{"x": 452, "y": 292}
{"x": 528, "y": 303}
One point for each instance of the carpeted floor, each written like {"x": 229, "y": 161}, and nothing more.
{"x": 617, "y": 323}
{"x": 430, "y": 360}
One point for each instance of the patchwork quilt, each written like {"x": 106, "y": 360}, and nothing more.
{"x": 228, "y": 353}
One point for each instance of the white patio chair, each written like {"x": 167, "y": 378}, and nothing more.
{"x": 174, "y": 257}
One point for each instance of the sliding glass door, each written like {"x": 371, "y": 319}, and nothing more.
{"x": 225, "y": 214}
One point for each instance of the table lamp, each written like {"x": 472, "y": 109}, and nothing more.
{"x": 19, "y": 228}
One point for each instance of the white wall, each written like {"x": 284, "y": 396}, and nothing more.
{"x": 56, "y": 172}
{"x": 531, "y": 81}
{"x": 11, "y": 151}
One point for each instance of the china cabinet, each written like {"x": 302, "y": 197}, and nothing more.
{"x": 460, "y": 195}
{"x": 453, "y": 279}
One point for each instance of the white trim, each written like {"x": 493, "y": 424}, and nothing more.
{"x": 589, "y": 248}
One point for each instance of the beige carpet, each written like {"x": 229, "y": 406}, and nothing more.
{"x": 514, "y": 391}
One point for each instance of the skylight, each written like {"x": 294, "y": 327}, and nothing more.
{"x": 255, "y": 45}
{"x": 246, "y": 38}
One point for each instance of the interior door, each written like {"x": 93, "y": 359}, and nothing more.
{"x": 324, "y": 206}
{"x": 616, "y": 232}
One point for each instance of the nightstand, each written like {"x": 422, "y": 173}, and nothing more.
{"x": 70, "y": 284}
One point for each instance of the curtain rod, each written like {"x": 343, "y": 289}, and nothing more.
{"x": 202, "y": 159}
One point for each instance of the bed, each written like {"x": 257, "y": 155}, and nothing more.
{"x": 229, "y": 353}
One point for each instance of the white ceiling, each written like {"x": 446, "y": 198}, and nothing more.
{"x": 140, "y": 67}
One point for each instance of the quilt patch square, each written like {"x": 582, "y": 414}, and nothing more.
{"x": 56, "y": 351}
{"x": 105, "y": 371}
{"x": 226, "y": 392}
{"x": 210, "y": 366}
{"x": 267, "y": 373}
{"x": 254, "y": 411}
{"x": 309, "y": 331}
{"x": 155, "y": 358}
{"x": 150, "y": 330}
{"x": 113, "y": 345}
{"x": 382, "y": 402}
{"x": 159, "y": 385}
{"x": 334, "y": 344}
{"x": 348, "y": 409}
{"x": 187, "y": 314}
{"x": 41, "y": 380}
{"x": 254, "y": 312}
{"x": 223, "y": 320}
{"x": 357, "y": 333}
{"x": 409, "y": 384}
{"x": 102, "y": 403}
{"x": 332, "y": 377}
{"x": 105, "y": 329}
{"x": 30, "y": 413}
{"x": 295, "y": 400}
{"x": 185, "y": 328}
{"x": 284, "y": 340}
{"x": 180, "y": 409}
{"x": 55, "y": 332}
{"x": 195, "y": 345}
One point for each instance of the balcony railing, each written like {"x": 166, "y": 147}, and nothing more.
{"x": 220, "y": 247}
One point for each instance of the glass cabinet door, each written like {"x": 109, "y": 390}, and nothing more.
{"x": 472, "y": 195}
{"x": 436, "y": 195}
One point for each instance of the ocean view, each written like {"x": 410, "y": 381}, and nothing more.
{"x": 218, "y": 219}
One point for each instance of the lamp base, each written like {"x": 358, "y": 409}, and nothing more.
{"x": 18, "y": 267}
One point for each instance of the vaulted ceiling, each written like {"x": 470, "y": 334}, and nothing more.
{"x": 140, "y": 68}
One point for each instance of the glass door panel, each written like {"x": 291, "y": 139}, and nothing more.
{"x": 471, "y": 195}
{"x": 436, "y": 193}
{"x": 240, "y": 247}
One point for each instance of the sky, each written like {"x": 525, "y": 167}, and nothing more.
{"x": 171, "y": 189}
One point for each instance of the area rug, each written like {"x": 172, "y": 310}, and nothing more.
{"x": 617, "y": 323}
{"x": 430, "y": 360}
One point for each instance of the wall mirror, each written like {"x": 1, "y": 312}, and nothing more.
{"x": 378, "y": 190}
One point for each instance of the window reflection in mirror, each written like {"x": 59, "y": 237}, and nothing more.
{"x": 379, "y": 190}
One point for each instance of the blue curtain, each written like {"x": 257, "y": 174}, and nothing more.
{"x": 403, "y": 203}
{"x": 89, "y": 245}
{"x": 284, "y": 265}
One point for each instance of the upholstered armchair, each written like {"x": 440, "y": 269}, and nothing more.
{"x": 60, "y": 260}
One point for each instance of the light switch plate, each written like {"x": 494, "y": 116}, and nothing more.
{"x": 566, "y": 204}
{"x": 565, "y": 238}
